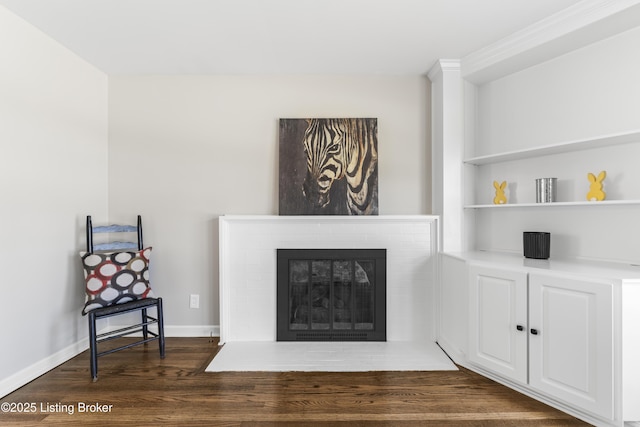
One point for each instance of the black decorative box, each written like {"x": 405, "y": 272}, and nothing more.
{"x": 536, "y": 244}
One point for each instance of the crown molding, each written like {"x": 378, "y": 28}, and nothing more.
{"x": 572, "y": 28}
{"x": 442, "y": 65}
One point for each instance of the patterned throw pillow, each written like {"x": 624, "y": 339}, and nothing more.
{"x": 116, "y": 277}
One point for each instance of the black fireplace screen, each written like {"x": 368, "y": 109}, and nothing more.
{"x": 331, "y": 295}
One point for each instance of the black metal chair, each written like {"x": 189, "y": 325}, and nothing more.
{"x": 120, "y": 248}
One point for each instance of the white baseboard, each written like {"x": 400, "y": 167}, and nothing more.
{"x": 28, "y": 374}
{"x": 182, "y": 331}
{"x": 192, "y": 331}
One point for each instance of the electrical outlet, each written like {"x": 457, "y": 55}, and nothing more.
{"x": 194, "y": 301}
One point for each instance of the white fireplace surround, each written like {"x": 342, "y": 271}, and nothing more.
{"x": 248, "y": 268}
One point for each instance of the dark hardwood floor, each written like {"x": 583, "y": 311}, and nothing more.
{"x": 136, "y": 387}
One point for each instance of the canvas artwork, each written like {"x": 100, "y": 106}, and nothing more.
{"x": 328, "y": 166}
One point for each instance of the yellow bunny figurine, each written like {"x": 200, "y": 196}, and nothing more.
{"x": 500, "y": 198}
{"x": 595, "y": 188}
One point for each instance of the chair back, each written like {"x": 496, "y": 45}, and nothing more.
{"x": 114, "y": 228}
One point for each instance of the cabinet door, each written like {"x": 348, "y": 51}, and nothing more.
{"x": 498, "y": 321}
{"x": 571, "y": 341}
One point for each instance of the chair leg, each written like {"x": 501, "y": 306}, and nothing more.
{"x": 145, "y": 329}
{"x": 93, "y": 345}
{"x": 160, "y": 328}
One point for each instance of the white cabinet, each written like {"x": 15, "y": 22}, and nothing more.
{"x": 563, "y": 348}
{"x": 564, "y": 332}
{"x": 571, "y": 340}
{"x": 498, "y": 321}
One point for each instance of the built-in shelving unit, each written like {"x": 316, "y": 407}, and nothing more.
{"x": 498, "y": 92}
{"x": 563, "y": 147}
{"x": 555, "y": 204}
{"x": 553, "y": 149}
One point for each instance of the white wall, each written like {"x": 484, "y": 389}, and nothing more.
{"x": 185, "y": 149}
{"x": 53, "y": 172}
{"x": 589, "y": 92}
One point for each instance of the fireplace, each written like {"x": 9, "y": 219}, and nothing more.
{"x": 331, "y": 295}
{"x": 248, "y": 268}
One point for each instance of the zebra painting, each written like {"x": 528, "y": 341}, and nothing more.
{"x": 328, "y": 166}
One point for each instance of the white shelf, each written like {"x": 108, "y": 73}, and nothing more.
{"x": 554, "y": 204}
{"x": 563, "y": 147}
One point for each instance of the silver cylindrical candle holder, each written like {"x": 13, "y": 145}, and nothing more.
{"x": 546, "y": 190}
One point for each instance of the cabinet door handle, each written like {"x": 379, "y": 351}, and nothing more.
{"x": 534, "y": 332}
{"x": 520, "y": 327}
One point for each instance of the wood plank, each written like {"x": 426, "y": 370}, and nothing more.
{"x": 143, "y": 389}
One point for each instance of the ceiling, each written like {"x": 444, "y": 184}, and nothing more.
{"x": 391, "y": 37}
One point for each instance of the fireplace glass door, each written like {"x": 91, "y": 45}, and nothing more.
{"x": 331, "y": 294}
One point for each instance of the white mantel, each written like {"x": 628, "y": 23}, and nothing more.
{"x": 248, "y": 268}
